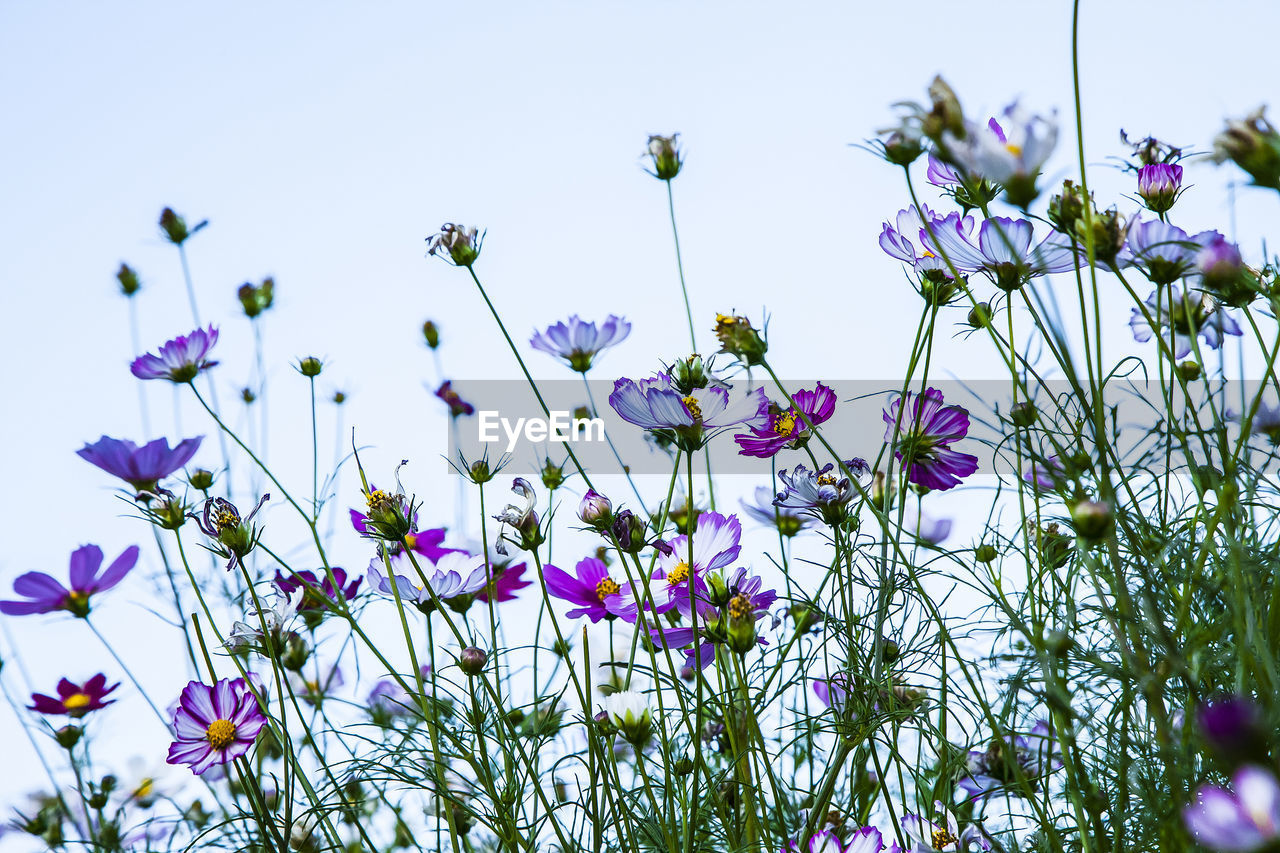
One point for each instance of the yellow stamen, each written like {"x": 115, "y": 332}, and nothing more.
{"x": 739, "y": 607}
{"x": 410, "y": 541}
{"x": 221, "y": 734}
{"x": 826, "y": 480}
{"x": 941, "y": 838}
{"x": 691, "y": 403}
{"x": 1016, "y": 151}
{"x": 76, "y": 701}
{"x": 607, "y": 587}
{"x": 785, "y": 423}
{"x": 679, "y": 574}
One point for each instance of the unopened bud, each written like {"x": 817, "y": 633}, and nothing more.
{"x": 310, "y": 366}
{"x": 1159, "y": 185}
{"x": 201, "y": 479}
{"x": 665, "y": 156}
{"x": 1023, "y": 414}
{"x": 128, "y": 279}
{"x": 472, "y": 660}
{"x": 431, "y": 332}
{"x": 739, "y": 339}
{"x": 68, "y": 736}
{"x": 595, "y": 510}
{"x": 1092, "y": 520}
{"x": 980, "y": 316}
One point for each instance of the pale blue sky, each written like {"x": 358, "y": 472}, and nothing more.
{"x": 324, "y": 141}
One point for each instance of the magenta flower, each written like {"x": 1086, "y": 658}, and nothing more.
{"x": 923, "y": 441}
{"x": 214, "y": 725}
{"x": 689, "y": 419}
{"x": 75, "y": 700}
{"x": 578, "y": 343}
{"x": 1247, "y": 818}
{"x": 1044, "y": 474}
{"x": 1159, "y": 185}
{"x": 735, "y": 623}
{"x": 179, "y": 360}
{"x": 596, "y": 594}
{"x": 141, "y": 467}
{"x": 45, "y": 595}
{"x": 786, "y": 428}
{"x": 457, "y": 406}
{"x": 318, "y": 592}
{"x": 833, "y": 692}
{"x": 507, "y": 581}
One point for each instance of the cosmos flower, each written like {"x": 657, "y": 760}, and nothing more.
{"x": 1010, "y": 152}
{"x": 75, "y": 700}
{"x": 452, "y": 576}
{"x": 629, "y": 712}
{"x": 179, "y": 360}
{"x": 824, "y": 494}
{"x": 923, "y": 440}
{"x": 318, "y": 593}
{"x": 1242, "y": 819}
{"x": 141, "y": 467}
{"x": 1234, "y": 727}
{"x": 458, "y": 407}
{"x": 316, "y": 686}
{"x": 1002, "y": 251}
{"x": 926, "y": 528}
{"x": 834, "y": 691}
{"x": 596, "y": 594}
{"x": 1033, "y": 756}
{"x": 928, "y": 837}
{"x": 266, "y": 628}
{"x": 46, "y": 595}
{"x": 864, "y": 840}
{"x": 578, "y": 343}
{"x": 521, "y": 518}
{"x": 786, "y": 428}
{"x": 901, "y": 240}
{"x": 1159, "y": 185}
{"x": 1163, "y": 252}
{"x": 214, "y": 725}
{"x": 507, "y": 581}
{"x": 761, "y": 508}
{"x": 1188, "y": 315}
{"x": 689, "y": 419}
{"x": 716, "y": 544}
{"x": 941, "y": 175}
{"x": 233, "y": 537}
{"x": 1044, "y": 474}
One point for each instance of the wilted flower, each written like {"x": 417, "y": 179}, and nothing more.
{"x": 1252, "y": 144}
{"x": 824, "y": 494}
{"x": 1159, "y": 185}
{"x": 690, "y": 419}
{"x": 457, "y": 406}
{"x": 141, "y": 467}
{"x": 1009, "y": 761}
{"x": 665, "y": 155}
{"x": 265, "y": 629}
{"x": 46, "y": 595}
{"x": 739, "y": 339}
{"x": 75, "y": 700}
{"x": 784, "y": 519}
{"x": 596, "y": 594}
{"x": 1186, "y": 315}
{"x": 578, "y": 343}
{"x": 389, "y": 517}
{"x": 923, "y": 439}
{"x": 458, "y": 244}
{"x": 179, "y": 360}
{"x": 522, "y": 519}
{"x": 787, "y": 428}
{"x": 214, "y": 725}
{"x": 234, "y": 537}
{"x": 1247, "y": 818}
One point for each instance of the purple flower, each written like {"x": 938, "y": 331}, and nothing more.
{"x": 716, "y": 545}
{"x": 180, "y": 359}
{"x": 1159, "y": 185}
{"x": 1246, "y": 819}
{"x": 1162, "y": 252}
{"x": 925, "y": 527}
{"x": 763, "y": 510}
{"x": 1044, "y": 474}
{"x": 833, "y": 692}
{"x": 1187, "y": 316}
{"x": 141, "y": 467}
{"x": 690, "y": 419}
{"x": 578, "y": 343}
{"x": 1032, "y": 756}
{"x": 453, "y": 576}
{"x": 214, "y": 725}
{"x": 233, "y": 537}
{"x": 744, "y": 603}
{"x": 824, "y": 494}
{"x": 922, "y": 441}
{"x": 1234, "y": 727}
{"x": 47, "y": 595}
{"x": 1003, "y": 250}
{"x": 902, "y": 239}
{"x": 1219, "y": 263}
{"x": 319, "y": 685}
{"x": 75, "y": 700}
{"x": 786, "y": 428}
{"x": 864, "y": 840}
{"x": 318, "y": 592}
{"x": 458, "y": 407}
{"x": 596, "y": 594}
{"x": 941, "y": 175}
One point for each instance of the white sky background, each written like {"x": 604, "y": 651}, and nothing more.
{"x": 325, "y": 141}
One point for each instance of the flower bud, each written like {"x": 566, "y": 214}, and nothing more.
{"x": 1189, "y": 370}
{"x": 901, "y": 148}
{"x": 247, "y": 395}
{"x": 1067, "y": 208}
{"x": 255, "y": 300}
{"x": 1252, "y": 144}
{"x": 717, "y": 591}
{"x": 1108, "y": 232}
{"x": 1224, "y": 274}
{"x": 339, "y": 398}
{"x": 310, "y": 366}
{"x": 595, "y": 510}
{"x": 665, "y": 156}
{"x": 472, "y": 660}
{"x": 128, "y": 279}
{"x": 296, "y": 651}
{"x": 690, "y": 373}
{"x": 630, "y": 531}
{"x": 980, "y": 315}
{"x": 552, "y": 475}
{"x": 1024, "y": 414}
{"x": 985, "y": 553}
{"x": 945, "y": 114}
{"x": 1159, "y": 185}
{"x": 431, "y": 333}
{"x": 683, "y": 766}
{"x": 739, "y": 339}
{"x": 201, "y": 479}
{"x": 68, "y": 736}
{"x": 173, "y": 226}
{"x": 629, "y": 712}
{"x": 1092, "y": 520}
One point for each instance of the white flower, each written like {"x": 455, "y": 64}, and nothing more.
{"x": 629, "y": 711}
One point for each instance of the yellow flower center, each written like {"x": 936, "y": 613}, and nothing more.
{"x": 941, "y": 838}
{"x": 221, "y": 734}
{"x": 739, "y": 607}
{"x": 1016, "y": 151}
{"x": 691, "y": 403}
{"x": 76, "y": 701}
{"x": 928, "y": 254}
{"x": 826, "y": 480}
{"x": 785, "y": 423}
{"x": 377, "y": 498}
{"x": 144, "y": 788}
{"x": 78, "y": 598}
{"x": 225, "y": 518}
{"x": 607, "y": 587}
{"x": 410, "y": 541}
{"x": 679, "y": 574}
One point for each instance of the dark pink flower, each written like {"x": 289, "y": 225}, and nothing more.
{"x": 75, "y": 700}
{"x": 787, "y": 428}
